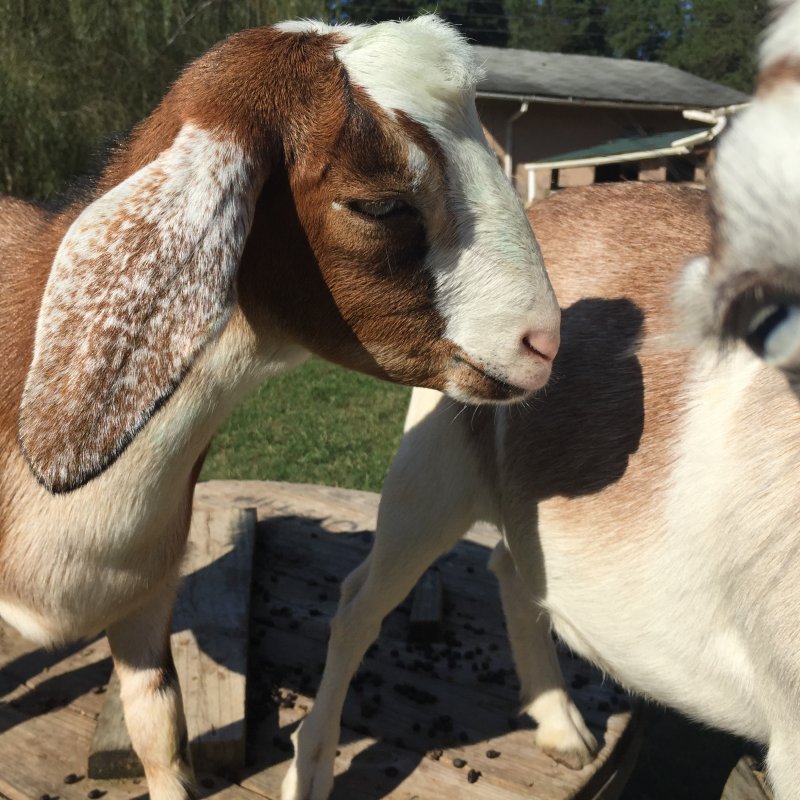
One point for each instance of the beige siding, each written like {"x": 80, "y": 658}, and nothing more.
{"x": 549, "y": 130}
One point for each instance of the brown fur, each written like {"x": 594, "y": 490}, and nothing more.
{"x": 618, "y": 375}
{"x": 315, "y": 148}
{"x": 780, "y": 73}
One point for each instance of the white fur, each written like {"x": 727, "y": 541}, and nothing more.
{"x": 692, "y": 601}
{"x": 784, "y": 35}
{"x": 198, "y": 199}
{"x": 406, "y": 68}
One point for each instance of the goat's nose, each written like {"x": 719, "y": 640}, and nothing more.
{"x": 541, "y": 344}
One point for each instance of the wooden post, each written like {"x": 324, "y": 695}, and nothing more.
{"x": 426, "y": 623}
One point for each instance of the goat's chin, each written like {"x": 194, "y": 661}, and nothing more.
{"x": 467, "y": 382}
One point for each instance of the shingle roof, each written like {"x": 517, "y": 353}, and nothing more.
{"x": 529, "y": 74}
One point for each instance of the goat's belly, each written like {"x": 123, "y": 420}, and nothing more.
{"x": 672, "y": 649}
{"x": 32, "y": 625}
{"x": 55, "y": 609}
{"x": 58, "y": 586}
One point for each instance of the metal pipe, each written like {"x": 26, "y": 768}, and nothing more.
{"x": 508, "y": 159}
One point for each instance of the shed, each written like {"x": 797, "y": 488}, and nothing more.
{"x": 535, "y": 106}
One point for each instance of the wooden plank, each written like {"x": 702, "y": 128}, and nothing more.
{"x": 44, "y": 756}
{"x": 388, "y": 732}
{"x": 212, "y": 630}
{"x": 394, "y": 744}
{"x": 209, "y": 645}
{"x": 41, "y": 756}
{"x": 744, "y": 782}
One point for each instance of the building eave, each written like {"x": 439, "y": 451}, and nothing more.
{"x": 579, "y": 101}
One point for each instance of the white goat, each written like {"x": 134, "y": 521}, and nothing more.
{"x": 648, "y": 499}
{"x": 300, "y": 189}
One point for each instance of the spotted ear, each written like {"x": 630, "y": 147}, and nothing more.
{"x": 142, "y": 280}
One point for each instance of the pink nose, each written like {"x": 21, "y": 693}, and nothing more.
{"x": 542, "y": 344}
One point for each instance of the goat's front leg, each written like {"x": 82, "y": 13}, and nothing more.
{"x": 783, "y": 757}
{"x": 561, "y": 731}
{"x": 151, "y": 696}
{"x": 427, "y": 505}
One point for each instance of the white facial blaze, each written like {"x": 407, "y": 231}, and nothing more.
{"x": 496, "y": 289}
{"x": 492, "y": 287}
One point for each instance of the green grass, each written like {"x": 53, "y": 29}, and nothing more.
{"x": 316, "y": 424}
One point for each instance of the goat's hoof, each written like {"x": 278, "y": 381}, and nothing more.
{"x": 569, "y": 743}
{"x": 303, "y": 787}
{"x": 307, "y": 778}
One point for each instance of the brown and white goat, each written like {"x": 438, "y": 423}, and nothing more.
{"x": 301, "y": 189}
{"x": 648, "y": 500}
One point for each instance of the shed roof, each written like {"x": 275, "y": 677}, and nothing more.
{"x": 629, "y": 144}
{"x": 529, "y": 74}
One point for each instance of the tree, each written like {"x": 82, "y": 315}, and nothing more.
{"x": 715, "y": 39}
{"x": 719, "y": 40}
{"x": 645, "y": 30}
{"x": 482, "y": 21}
{"x": 75, "y": 71}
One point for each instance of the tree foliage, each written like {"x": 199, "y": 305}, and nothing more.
{"x": 715, "y": 39}
{"x": 74, "y": 71}
{"x": 563, "y": 26}
{"x": 483, "y": 21}
{"x": 718, "y": 40}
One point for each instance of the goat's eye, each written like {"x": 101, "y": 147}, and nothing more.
{"x": 769, "y": 323}
{"x": 377, "y": 209}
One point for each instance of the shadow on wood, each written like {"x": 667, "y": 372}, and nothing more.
{"x": 414, "y": 711}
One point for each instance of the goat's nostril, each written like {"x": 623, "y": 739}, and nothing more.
{"x": 543, "y": 345}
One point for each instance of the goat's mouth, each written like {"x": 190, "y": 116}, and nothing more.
{"x": 471, "y": 382}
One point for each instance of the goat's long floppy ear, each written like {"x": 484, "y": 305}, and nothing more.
{"x": 142, "y": 280}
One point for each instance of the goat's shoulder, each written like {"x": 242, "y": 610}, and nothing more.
{"x": 18, "y": 219}
{"x": 613, "y": 253}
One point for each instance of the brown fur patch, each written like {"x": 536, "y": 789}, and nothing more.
{"x": 783, "y": 72}
{"x": 613, "y": 253}
{"x": 28, "y": 241}
{"x": 288, "y": 106}
{"x": 350, "y": 288}
{"x": 606, "y": 422}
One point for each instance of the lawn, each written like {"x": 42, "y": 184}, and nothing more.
{"x": 316, "y": 424}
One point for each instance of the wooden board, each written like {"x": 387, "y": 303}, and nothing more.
{"x": 209, "y": 645}
{"x": 427, "y": 609}
{"x": 746, "y": 782}
{"x": 307, "y": 539}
